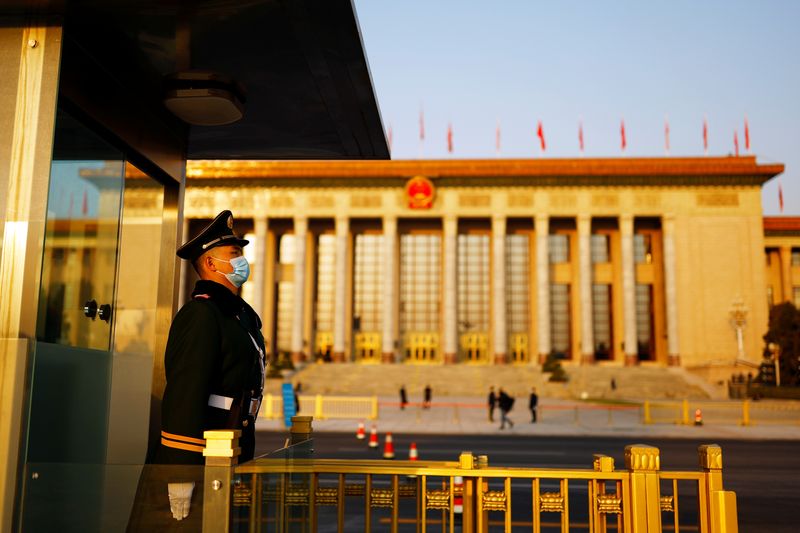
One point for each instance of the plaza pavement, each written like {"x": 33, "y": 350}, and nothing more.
{"x": 469, "y": 416}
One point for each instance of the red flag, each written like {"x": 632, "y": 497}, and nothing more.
{"x": 736, "y": 142}
{"x": 705, "y": 135}
{"x": 623, "y": 138}
{"x": 746, "y": 135}
{"x": 540, "y": 134}
{"x": 497, "y": 138}
{"x": 450, "y": 138}
{"x": 421, "y": 125}
{"x": 85, "y": 206}
{"x": 580, "y": 135}
{"x": 780, "y": 196}
{"x": 666, "y": 135}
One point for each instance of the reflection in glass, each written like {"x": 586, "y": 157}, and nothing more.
{"x": 473, "y": 283}
{"x": 517, "y": 283}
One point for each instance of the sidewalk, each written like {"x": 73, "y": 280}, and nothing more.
{"x": 469, "y": 416}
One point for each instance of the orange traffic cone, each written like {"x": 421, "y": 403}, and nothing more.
{"x": 373, "y": 437}
{"x": 388, "y": 447}
{"x": 698, "y": 417}
{"x": 412, "y": 452}
{"x": 360, "y": 435}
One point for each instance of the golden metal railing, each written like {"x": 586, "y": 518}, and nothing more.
{"x": 744, "y": 412}
{"x": 294, "y": 494}
{"x": 324, "y": 407}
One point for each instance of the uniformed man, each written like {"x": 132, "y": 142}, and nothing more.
{"x": 214, "y": 360}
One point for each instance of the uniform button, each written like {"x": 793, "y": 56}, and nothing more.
{"x": 245, "y": 423}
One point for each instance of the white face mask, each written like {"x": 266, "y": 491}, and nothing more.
{"x": 241, "y": 270}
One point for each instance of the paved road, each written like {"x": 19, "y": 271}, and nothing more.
{"x": 764, "y": 474}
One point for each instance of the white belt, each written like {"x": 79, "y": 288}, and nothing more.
{"x": 225, "y": 402}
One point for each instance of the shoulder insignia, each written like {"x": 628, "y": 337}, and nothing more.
{"x": 202, "y": 297}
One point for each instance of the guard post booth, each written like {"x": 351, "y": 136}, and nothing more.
{"x": 99, "y": 99}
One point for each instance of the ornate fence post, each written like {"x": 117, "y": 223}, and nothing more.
{"x": 222, "y": 454}
{"x": 466, "y": 461}
{"x": 720, "y": 508}
{"x": 643, "y": 462}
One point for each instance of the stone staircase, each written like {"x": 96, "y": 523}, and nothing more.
{"x": 642, "y": 382}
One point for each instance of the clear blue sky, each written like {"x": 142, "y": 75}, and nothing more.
{"x": 476, "y": 63}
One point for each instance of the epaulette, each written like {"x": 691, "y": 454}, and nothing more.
{"x": 202, "y": 297}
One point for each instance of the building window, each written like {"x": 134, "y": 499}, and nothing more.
{"x": 420, "y": 280}
{"x": 326, "y": 287}
{"x": 368, "y": 283}
{"x": 796, "y": 257}
{"x": 643, "y": 248}
{"x": 644, "y": 322}
{"x": 517, "y": 283}
{"x": 286, "y": 252}
{"x": 600, "y": 248}
{"x": 558, "y": 245}
{"x": 473, "y": 283}
{"x": 601, "y": 320}
{"x": 560, "y": 320}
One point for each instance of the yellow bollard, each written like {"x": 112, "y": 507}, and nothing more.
{"x": 646, "y": 413}
{"x": 318, "y": 407}
{"x": 685, "y": 421}
{"x": 374, "y": 408}
{"x": 746, "y": 413}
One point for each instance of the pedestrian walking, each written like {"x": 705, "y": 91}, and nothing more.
{"x": 403, "y": 397}
{"x": 506, "y": 403}
{"x": 426, "y": 401}
{"x": 532, "y": 404}
{"x": 491, "y": 401}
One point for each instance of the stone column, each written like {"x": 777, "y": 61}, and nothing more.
{"x": 786, "y": 273}
{"x": 259, "y": 271}
{"x": 585, "y": 271}
{"x": 450, "y": 326}
{"x": 340, "y": 295}
{"x": 543, "y": 286}
{"x": 389, "y": 289}
{"x": 628, "y": 290}
{"x": 300, "y": 236}
{"x": 500, "y": 335}
{"x": 671, "y": 291}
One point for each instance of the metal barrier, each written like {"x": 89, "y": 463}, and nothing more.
{"x": 745, "y": 412}
{"x": 466, "y": 495}
{"x": 323, "y": 407}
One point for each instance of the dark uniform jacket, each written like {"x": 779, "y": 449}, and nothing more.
{"x": 213, "y": 348}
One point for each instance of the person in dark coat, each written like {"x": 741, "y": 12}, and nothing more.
{"x": 506, "y": 403}
{"x": 533, "y": 402}
{"x": 214, "y": 365}
{"x": 428, "y": 394}
{"x": 491, "y": 401}
{"x": 403, "y": 397}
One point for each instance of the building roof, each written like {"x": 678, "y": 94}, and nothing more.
{"x": 616, "y": 171}
{"x": 781, "y": 225}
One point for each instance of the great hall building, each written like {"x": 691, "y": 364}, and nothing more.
{"x": 600, "y": 261}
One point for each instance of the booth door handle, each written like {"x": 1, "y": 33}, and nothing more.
{"x": 90, "y": 309}
{"x": 105, "y": 312}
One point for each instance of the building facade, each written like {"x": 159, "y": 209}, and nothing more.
{"x": 613, "y": 261}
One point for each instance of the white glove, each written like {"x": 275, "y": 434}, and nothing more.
{"x": 180, "y": 499}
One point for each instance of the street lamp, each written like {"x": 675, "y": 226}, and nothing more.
{"x": 738, "y": 319}
{"x": 775, "y": 350}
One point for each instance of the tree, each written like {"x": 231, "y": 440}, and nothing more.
{"x": 553, "y": 364}
{"x": 784, "y": 330}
